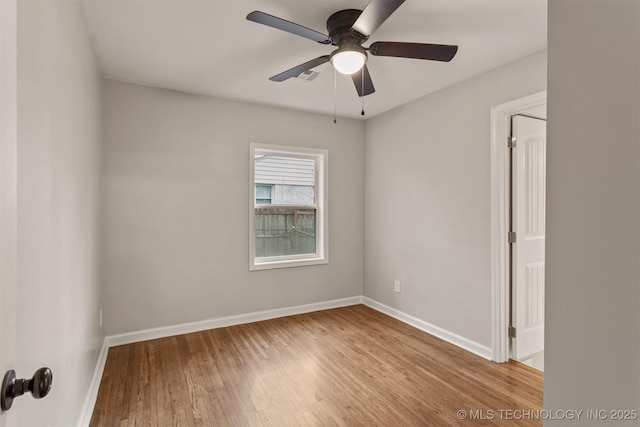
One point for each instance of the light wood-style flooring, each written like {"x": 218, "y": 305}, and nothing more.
{"x": 349, "y": 366}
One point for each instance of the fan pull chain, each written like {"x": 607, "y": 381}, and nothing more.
{"x": 335, "y": 95}
{"x": 362, "y": 73}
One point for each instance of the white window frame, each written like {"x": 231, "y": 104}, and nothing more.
{"x": 321, "y": 158}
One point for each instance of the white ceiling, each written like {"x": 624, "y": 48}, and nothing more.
{"x": 208, "y": 47}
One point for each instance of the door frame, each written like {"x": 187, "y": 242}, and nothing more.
{"x": 500, "y": 201}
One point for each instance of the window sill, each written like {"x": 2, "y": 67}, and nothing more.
{"x": 287, "y": 263}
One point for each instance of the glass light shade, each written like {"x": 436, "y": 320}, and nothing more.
{"x": 348, "y": 61}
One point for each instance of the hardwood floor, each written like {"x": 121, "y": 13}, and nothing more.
{"x": 350, "y": 366}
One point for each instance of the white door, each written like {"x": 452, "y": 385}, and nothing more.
{"x": 528, "y": 216}
{"x": 8, "y": 202}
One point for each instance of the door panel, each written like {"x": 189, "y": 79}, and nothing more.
{"x": 529, "y": 183}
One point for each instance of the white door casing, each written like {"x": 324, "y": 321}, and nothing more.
{"x": 500, "y": 203}
{"x": 528, "y": 267}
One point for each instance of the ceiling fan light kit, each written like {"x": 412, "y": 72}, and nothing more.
{"x": 348, "y": 60}
{"x": 348, "y": 30}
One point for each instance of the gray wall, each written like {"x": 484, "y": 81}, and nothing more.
{"x": 59, "y": 137}
{"x": 427, "y": 200}
{"x": 592, "y": 348}
{"x": 176, "y": 200}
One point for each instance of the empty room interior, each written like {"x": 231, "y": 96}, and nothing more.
{"x": 347, "y": 212}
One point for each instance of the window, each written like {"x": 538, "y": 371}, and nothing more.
{"x": 264, "y": 194}
{"x": 287, "y": 218}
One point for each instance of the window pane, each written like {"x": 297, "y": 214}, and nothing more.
{"x": 284, "y": 231}
{"x": 263, "y": 191}
{"x": 291, "y": 179}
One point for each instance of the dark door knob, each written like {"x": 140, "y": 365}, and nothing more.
{"x": 39, "y": 386}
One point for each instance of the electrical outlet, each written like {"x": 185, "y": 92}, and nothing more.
{"x": 101, "y": 318}
{"x": 396, "y": 286}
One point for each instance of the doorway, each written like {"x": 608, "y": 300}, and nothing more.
{"x": 504, "y": 344}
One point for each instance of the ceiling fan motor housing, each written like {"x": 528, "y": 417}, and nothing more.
{"x": 339, "y": 27}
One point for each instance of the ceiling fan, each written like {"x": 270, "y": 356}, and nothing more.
{"x": 348, "y": 30}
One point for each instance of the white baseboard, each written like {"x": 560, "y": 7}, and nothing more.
{"x": 221, "y": 322}
{"x": 455, "y": 339}
{"x": 92, "y": 394}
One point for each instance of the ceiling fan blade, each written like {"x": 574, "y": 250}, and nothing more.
{"x": 376, "y": 12}
{"x": 295, "y": 71}
{"x": 365, "y": 87}
{"x": 290, "y": 27}
{"x": 434, "y": 52}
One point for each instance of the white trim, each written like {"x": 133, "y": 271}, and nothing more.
{"x": 321, "y": 157}
{"x": 500, "y": 131}
{"x": 92, "y": 394}
{"x": 221, "y": 322}
{"x": 450, "y": 337}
